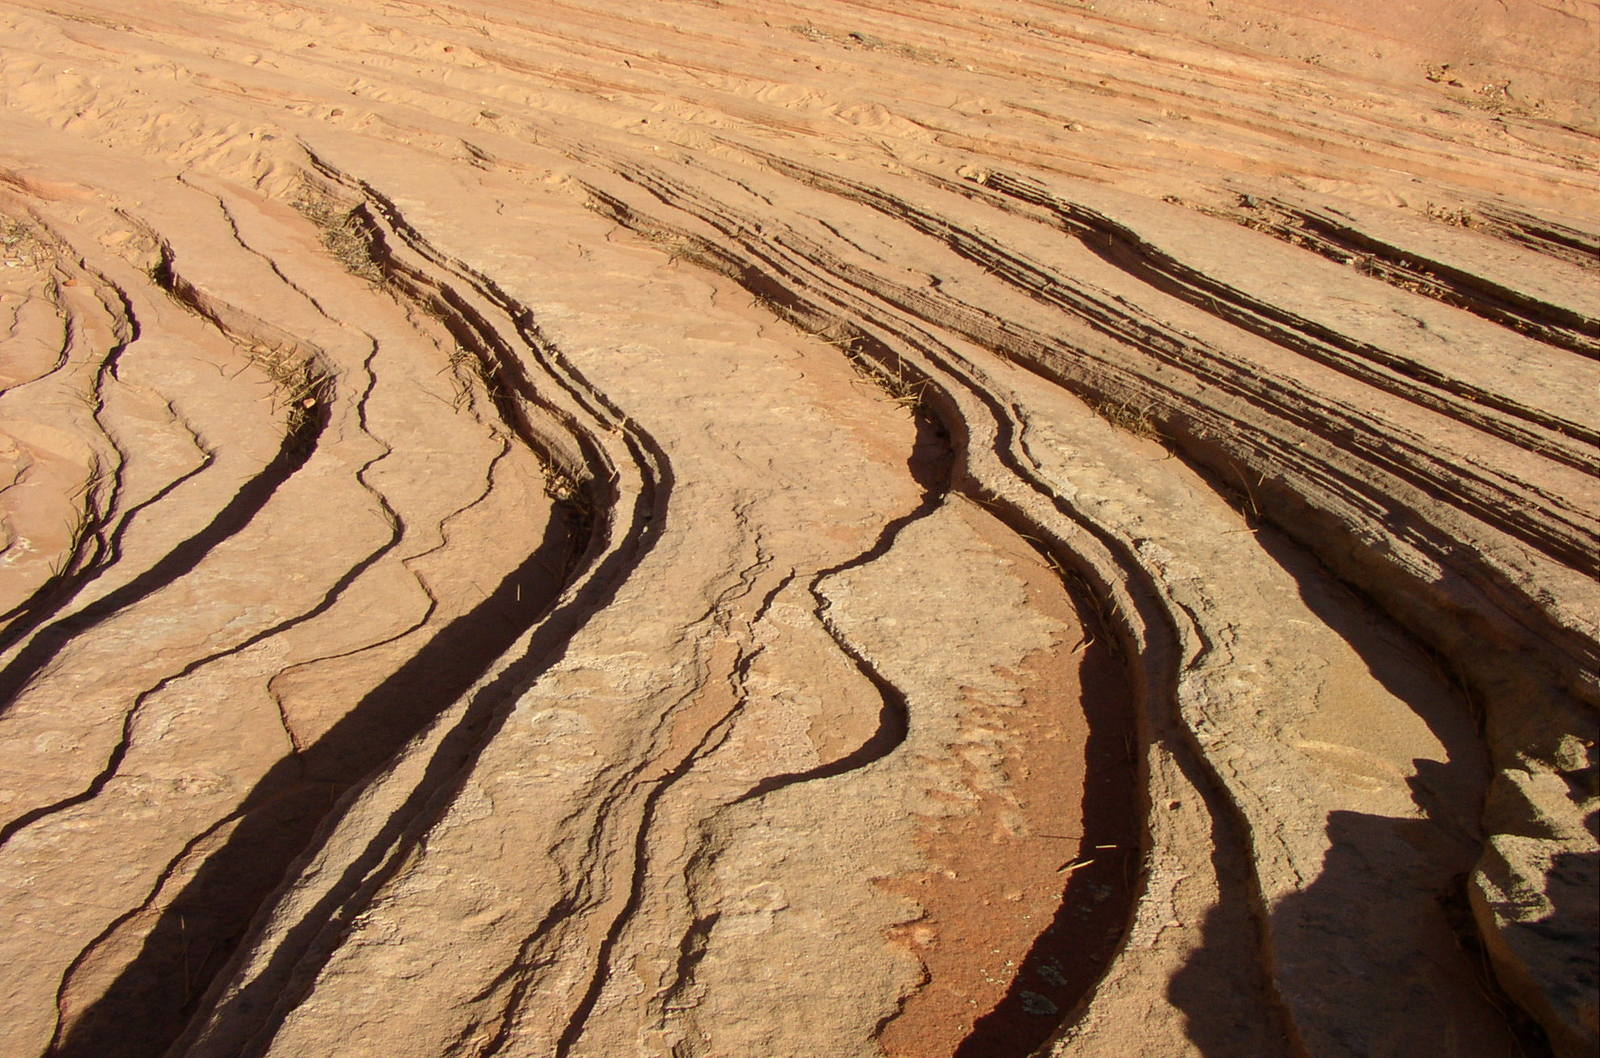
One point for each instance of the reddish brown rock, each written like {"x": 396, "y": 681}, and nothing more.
{"x": 791, "y": 529}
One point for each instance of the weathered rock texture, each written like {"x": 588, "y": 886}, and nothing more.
{"x": 798, "y": 528}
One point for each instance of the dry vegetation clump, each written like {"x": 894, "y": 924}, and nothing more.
{"x": 898, "y": 384}
{"x": 1456, "y": 216}
{"x": 300, "y": 382}
{"x": 18, "y": 243}
{"x": 1125, "y": 415}
{"x": 87, "y": 515}
{"x": 464, "y": 367}
{"x": 567, "y": 487}
{"x": 345, "y": 233}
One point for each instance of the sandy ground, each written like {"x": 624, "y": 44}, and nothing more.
{"x": 799, "y": 528}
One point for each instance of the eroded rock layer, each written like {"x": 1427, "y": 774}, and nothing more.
{"x": 796, "y": 528}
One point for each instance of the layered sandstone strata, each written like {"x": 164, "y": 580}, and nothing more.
{"x": 807, "y": 528}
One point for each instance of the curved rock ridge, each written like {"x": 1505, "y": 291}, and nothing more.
{"x": 945, "y": 529}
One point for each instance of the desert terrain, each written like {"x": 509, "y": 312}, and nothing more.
{"x": 907, "y": 528}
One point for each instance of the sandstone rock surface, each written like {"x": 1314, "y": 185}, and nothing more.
{"x": 799, "y": 528}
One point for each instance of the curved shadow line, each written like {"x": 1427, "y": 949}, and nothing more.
{"x": 935, "y": 475}
{"x": 451, "y": 763}
{"x": 278, "y": 828}
{"x": 1158, "y": 664}
{"x": 230, "y": 520}
{"x": 347, "y": 755}
{"x": 114, "y": 761}
{"x": 934, "y": 472}
{"x": 56, "y": 592}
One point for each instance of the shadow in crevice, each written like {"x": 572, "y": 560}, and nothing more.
{"x": 1408, "y": 670}
{"x": 1377, "y": 955}
{"x": 143, "y": 1012}
{"x": 96, "y": 551}
{"x": 229, "y": 521}
{"x": 148, "y": 1005}
{"x": 1565, "y": 947}
{"x": 931, "y": 462}
{"x": 1222, "y": 990}
{"x": 1073, "y": 951}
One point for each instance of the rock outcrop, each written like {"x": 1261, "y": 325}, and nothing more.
{"x": 799, "y": 528}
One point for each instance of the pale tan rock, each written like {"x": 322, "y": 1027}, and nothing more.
{"x": 798, "y": 529}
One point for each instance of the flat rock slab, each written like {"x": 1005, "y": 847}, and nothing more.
{"x": 926, "y": 530}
